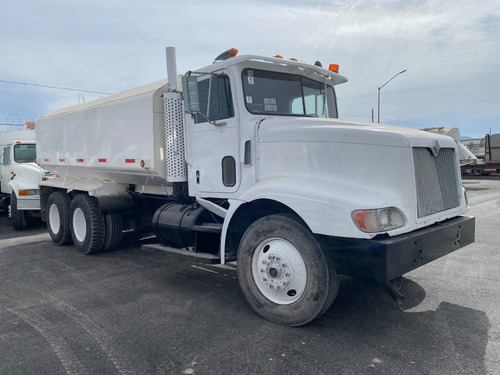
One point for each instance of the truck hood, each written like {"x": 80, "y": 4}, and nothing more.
{"x": 282, "y": 129}
{"x": 30, "y": 170}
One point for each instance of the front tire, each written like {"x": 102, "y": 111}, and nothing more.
{"x": 58, "y": 218}
{"x": 86, "y": 224}
{"x": 283, "y": 271}
{"x": 18, "y": 217}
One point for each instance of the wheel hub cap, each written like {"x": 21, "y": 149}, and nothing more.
{"x": 274, "y": 273}
{"x": 279, "y": 271}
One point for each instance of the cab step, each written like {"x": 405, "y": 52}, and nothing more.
{"x": 206, "y": 258}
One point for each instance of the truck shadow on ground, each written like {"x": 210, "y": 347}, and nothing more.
{"x": 452, "y": 339}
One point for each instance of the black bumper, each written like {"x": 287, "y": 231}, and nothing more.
{"x": 391, "y": 257}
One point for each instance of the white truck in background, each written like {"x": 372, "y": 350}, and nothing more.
{"x": 466, "y": 157}
{"x": 249, "y": 162}
{"x": 479, "y": 157}
{"x": 487, "y": 152}
{"x": 19, "y": 176}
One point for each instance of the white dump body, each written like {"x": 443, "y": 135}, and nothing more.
{"x": 107, "y": 139}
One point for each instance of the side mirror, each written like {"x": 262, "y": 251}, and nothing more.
{"x": 191, "y": 97}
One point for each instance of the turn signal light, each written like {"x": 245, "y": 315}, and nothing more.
{"x": 278, "y": 56}
{"x": 26, "y": 192}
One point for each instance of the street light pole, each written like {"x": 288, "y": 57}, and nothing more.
{"x": 380, "y": 88}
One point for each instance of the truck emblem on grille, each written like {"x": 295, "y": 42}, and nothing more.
{"x": 435, "y": 149}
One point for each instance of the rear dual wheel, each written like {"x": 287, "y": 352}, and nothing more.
{"x": 86, "y": 224}
{"x": 80, "y": 220}
{"x": 58, "y": 218}
{"x": 284, "y": 273}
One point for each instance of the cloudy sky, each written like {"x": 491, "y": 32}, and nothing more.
{"x": 450, "y": 49}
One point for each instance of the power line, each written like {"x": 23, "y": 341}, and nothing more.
{"x": 55, "y": 87}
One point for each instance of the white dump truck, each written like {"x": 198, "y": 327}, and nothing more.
{"x": 248, "y": 161}
{"x": 19, "y": 176}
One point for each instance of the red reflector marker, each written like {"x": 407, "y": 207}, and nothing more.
{"x": 102, "y": 160}
{"x": 129, "y": 160}
{"x": 46, "y": 160}
{"x": 79, "y": 160}
{"x": 61, "y": 160}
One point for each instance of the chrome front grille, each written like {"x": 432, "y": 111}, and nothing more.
{"x": 437, "y": 180}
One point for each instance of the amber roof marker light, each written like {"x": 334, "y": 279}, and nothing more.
{"x": 333, "y": 68}
{"x": 232, "y": 52}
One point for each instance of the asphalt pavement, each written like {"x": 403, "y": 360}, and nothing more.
{"x": 136, "y": 311}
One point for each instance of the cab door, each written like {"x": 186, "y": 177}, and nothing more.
{"x": 212, "y": 139}
{"x": 5, "y": 170}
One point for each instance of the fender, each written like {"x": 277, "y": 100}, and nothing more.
{"x": 325, "y": 205}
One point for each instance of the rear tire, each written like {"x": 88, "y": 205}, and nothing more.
{"x": 477, "y": 172}
{"x": 283, "y": 271}
{"x": 18, "y": 217}
{"x": 113, "y": 231}
{"x": 58, "y": 218}
{"x": 86, "y": 224}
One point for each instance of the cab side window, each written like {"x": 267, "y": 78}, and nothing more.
{"x": 219, "y": 104}
{"x": 6, "y": 156}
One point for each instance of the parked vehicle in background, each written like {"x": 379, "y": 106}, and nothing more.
{"x": 248, "y": 161}
{"x": 487, "y": 151}
{"x": 19, "y": 176}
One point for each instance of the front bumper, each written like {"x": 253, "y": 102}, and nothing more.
{"x": 392, "y": 257}
{"x": 28, "y": 203}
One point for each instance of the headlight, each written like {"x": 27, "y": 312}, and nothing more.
{"x": 378, "y": 220}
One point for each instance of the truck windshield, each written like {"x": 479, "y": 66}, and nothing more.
{"x": 25, "y": 153}
{"x": 285, "y": 94}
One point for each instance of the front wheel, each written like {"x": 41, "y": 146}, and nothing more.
{"x": 18, "y": 217}
{"x": 283, "y": 271}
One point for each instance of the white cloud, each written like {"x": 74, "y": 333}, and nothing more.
{"x": 450, "y": 49}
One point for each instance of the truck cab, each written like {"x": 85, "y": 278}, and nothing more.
{"x": 19, "y": 176}
{"x": 244, "y": 92}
